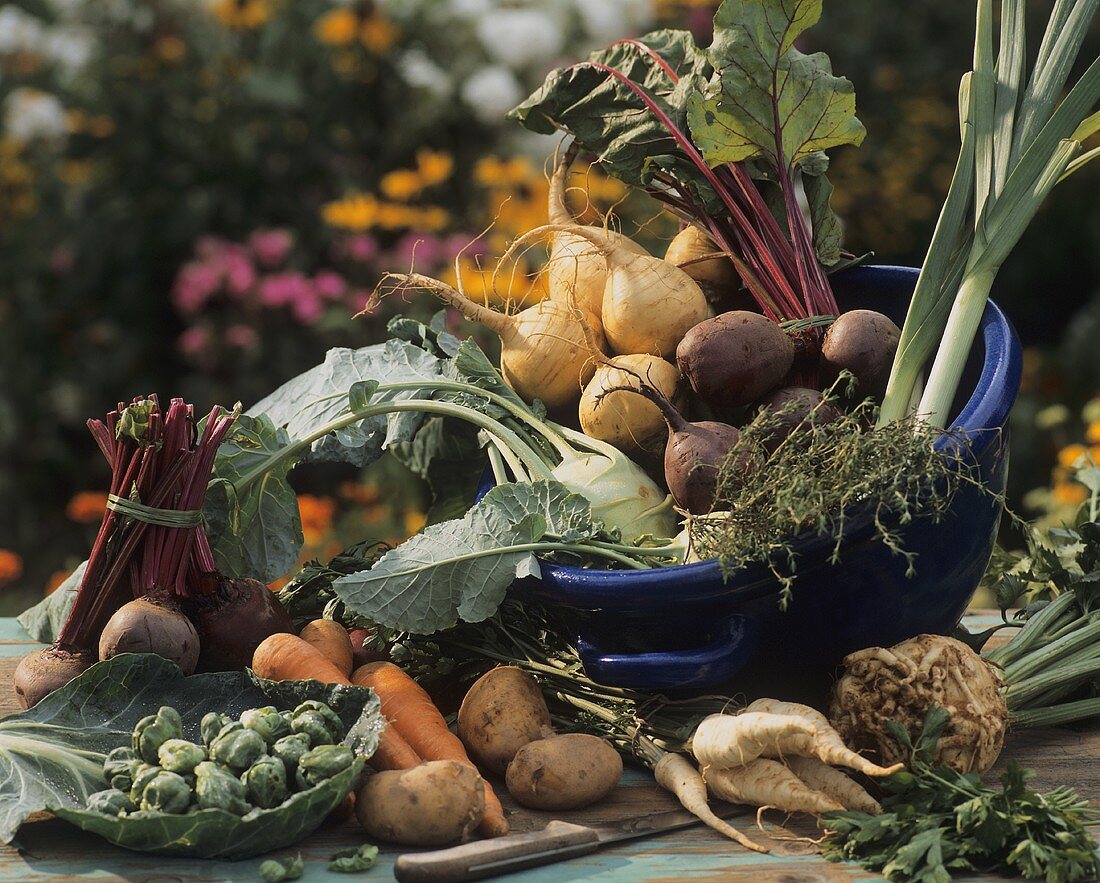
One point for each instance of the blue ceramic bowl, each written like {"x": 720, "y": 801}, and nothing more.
{"x": 687, "y": 627}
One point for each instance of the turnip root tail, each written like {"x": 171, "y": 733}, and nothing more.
{"x": 765, "y": 783}
{"x": 500, "y": 323}
{"x": 727, "y": 740}
{"x": 675, "y": 773}
{"x": 833, "y": 783}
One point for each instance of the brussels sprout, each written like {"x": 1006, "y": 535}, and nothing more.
{"x": 166, "y": 792}
{"x": 268, "y": 722}
{"x": 265, "y": 782}
{"x": 323, "y": 762}
{"x": 290, "y": 749}
{"x": 313, "y": 725}
{"x": 335, "y": 726}
{"x": 153, "y": 731}
{"x": 142, "y": 777}
{"x": 211, "y": 725}
{"x": 238, "y": 749}
{"x": 119, "y": 768}
{"x": 217, "y": 788}
{"x": 180, "y": 756}
{"x": 111, "y": 802}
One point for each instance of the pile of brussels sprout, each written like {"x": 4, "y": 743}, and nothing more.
{"x": 243, "y": 765}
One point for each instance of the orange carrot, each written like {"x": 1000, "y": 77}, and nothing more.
{"x": 417, "y": 719}
{"x": 332, "y": 639}
{"x": 284, "y": 657}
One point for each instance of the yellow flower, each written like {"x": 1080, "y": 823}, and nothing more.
{"x": 492, "y": 171}
{"x": 86, "y": 507}
{"x": 11, "y": 566}
{"x": 170, "y": 49}
{"x": 377, "y": 34}
{"x": 401, "y": 184}
{"x": 1069, "y": 493}
{"x": 358, "y": 212}
{"x": 432, "y": 218}
{"x": 433, "y": 166}
{"x": 338, "y": 27}
{"x": 514, "y": 287}
{"x": 246, "y": 15}
{"x": 1070, "y": 455}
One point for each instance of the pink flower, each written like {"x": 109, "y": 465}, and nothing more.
{"x": 307, "y": 310}
{"x": 360, "y": 247}
{"x": 193, "y": 340}
{"x": 421, "y": 248}
{"x": 284, "y": 289}
{"x": 240, "y": 275}
{"x": 329, "y": 284}
{"x": 194, "y": 285}
{"x": 208, "y": 247}
{"x": 271, "y": 247}
{"x": 363, "y": 301}
{"x": 241, "y": 336}
{"x": 456, "y": 242}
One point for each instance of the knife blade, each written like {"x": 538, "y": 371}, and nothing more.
{"x": 556, "y": 842}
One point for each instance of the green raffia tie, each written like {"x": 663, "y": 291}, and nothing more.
{"x": 150, "y": 515}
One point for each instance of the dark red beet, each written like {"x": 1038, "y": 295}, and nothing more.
{"x": 863, "y": 342}
{"x": 233, "y": 620}
{"x": 793, "y": 405}
{"x": 39, "y": 674}
{"x": 735, "y": 358}
{"x": 694, "y": 452}
{"x": 361, "y": 655}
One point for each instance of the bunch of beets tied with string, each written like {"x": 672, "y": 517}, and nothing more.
{"x": 150, "y": 584}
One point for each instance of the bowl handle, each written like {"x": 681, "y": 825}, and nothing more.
{"x": 671, "y": 669}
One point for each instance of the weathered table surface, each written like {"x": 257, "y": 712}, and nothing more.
{"x": 49, "y": 849}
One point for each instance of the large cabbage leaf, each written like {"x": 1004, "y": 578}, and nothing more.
{"x": 51, "y": 756}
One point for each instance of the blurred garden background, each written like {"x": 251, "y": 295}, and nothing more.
{"x": 197, "y": 198}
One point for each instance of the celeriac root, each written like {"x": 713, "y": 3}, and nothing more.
{"x": 833, "y": 783}
{"x": 764, "y": 783}
{"x": 675, "y": 773}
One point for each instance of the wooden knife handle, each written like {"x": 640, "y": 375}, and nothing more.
{"x": 502, "y": 855}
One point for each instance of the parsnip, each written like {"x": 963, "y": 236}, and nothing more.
{"x": 727, "y": 740}
{"x": 833, "y": 783}
{"x": 765, "y": 782}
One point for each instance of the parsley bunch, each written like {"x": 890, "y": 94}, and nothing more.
{"x": 937, "y": 822}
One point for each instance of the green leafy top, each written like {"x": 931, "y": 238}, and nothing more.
{"x": 715, "y": 134}
{"x": 937, "y": 821}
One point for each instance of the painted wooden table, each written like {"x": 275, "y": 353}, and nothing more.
{"x": 49, "y": 849}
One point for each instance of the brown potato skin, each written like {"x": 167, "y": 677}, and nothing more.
{"x": 735, "y": 358}
{"x": 564, "y": 772}
{"x": 502, "y": 712}
{"x": 432, "y": 804}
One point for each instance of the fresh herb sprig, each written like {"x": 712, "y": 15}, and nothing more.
{"x": 937, "y": 821}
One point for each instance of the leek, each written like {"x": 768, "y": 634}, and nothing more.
{"x": 1017, "y": 142}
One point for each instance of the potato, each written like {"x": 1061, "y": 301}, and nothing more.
{"x": 502, "y": 712}
{"x": 432, "y": 804}
{"x": 564, "y": 772}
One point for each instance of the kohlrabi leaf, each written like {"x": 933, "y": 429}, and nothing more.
{"x": 767, "y": 99}
{"x": 434, "y": 337}
{"x": 216, "y": 833}
{"x": 445, "y": 453}
{"x": 251, "y": 511}
{"x": 44, "y": 620}
{"x": 310, "y": 401}
{"x": 51, "y": 756}
{"x": 608, "y": 117}
{"x": 462, "y": 569}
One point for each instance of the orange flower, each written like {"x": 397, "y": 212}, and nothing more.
{"x": 316, "y": 514}
{"x": 364, "y": 494}
{"x": 55, "y": 580}
{"x": 414, "y": 521}
{"x": 1069, "y": 493}
{"x": 1070, "y": 454}
{"x": 377, "y": 34}
{"x": 433, "y": 166}
{"x": 401, "y": 184}
{"x": 338, "y": 27}
{"x": 1092, "y": 433}
{"x": 11, "y": 566}
{"x": 86, "y": 507}
{"x": 242, "y": 14}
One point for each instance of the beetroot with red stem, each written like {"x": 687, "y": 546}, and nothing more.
{"x": 233, "y": 620}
